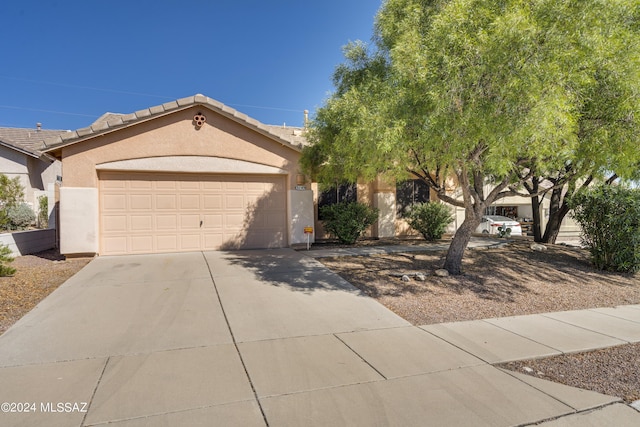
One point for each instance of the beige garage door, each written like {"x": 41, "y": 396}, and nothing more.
{"x": 154, "y": 212}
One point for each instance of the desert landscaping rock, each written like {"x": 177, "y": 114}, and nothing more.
{"x": 420, "y": 277}
{"x": 406, "y": 278}
{"x": 441, "y": 273}
{"x": 538, "y": 247}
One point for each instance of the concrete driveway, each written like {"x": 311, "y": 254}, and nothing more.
{"x": 246, "y": 338}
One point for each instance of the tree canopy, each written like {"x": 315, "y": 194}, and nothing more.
{"x": 475, "y": 96}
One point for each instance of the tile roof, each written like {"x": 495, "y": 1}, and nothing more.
{"x": 27, "y": 141}
{"x": 295, "y": 134}
{"x": 110, "y": 122}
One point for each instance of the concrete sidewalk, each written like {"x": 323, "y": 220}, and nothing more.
{"x": 274, "y": 338}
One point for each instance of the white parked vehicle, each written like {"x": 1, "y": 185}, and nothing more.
{"x": 490, "y": 224}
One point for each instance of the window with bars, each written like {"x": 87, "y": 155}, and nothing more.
{"x": 409, "y": 193}
{"x": 341, "y": 193}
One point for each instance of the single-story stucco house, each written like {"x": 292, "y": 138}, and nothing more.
{"x": 195, "y": 174}
{"x": 187, "y": 175}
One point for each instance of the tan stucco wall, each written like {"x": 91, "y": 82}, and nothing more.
{"x": 175, "y": 135}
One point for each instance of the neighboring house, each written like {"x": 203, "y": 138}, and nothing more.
{"x": 187, "y": 175}
{"x": 519, "y": 208}
{"x": 21, "y": 156}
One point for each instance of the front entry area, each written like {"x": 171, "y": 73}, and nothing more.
{"x": 171, "y": 212}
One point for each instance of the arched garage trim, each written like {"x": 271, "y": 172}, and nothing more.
{"x": 191, "y": 164}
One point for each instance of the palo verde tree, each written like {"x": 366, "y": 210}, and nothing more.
{"x": 608, "y": 112}
{"x": 466, "y": 95}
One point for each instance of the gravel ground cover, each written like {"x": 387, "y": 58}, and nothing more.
{"x": 613, "y": 371}
{"x": 508, "y": 281}
{"x": 36, "y": 277}
{"x": 505, "y": 281}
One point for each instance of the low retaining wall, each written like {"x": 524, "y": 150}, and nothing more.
{"x": 30, "y": 241}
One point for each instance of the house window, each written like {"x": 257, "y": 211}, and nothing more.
{"x": 408, "y": 193}
{"x": 341, "y": 193}
{"x": 508, "y": 211}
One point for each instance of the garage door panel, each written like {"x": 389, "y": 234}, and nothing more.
{"x": 190, "y": 242}
{"x": 140, "y": 185}
{"x": 112, "y": 223}
{"x": 114, "y": 244}
{"x": 233, "y": 186}
{"x": 114, "y": 202}
{"x": 114, "y": 184}
{"x": 256, "y": 186}
{"x": 190, "y": 201}
{"x": 274, "y": 221}
{"x": 140, "y": 201}
{"x": 233, "y": 222}
{"x": 251, "y": 201}
{"x": 141, "y": 244}
{"x": 166, "y": 185}
{"x": 166, "y": 201}
{"x": 189, "y": 222}
{"x": 162, "y": 212}
{"x": 212, "y": 241}
{"x": 189, "y": 185}
{"x": 213, "y": 221}
{"x": 212, "y": 201}
{"x": 166, "y": 243}
{"x": 166, "y": 222}
{"x": 141, "y": 222}
{"x": 212, "y": 185}
{"x": 234, "y": 201}
{"x": 271, "y": 205}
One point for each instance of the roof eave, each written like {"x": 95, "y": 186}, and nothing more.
{"x": 54, "y": 146}
{"x": 20, "y": 149}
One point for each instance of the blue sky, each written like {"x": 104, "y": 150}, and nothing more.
{"x": 66, "y": 62}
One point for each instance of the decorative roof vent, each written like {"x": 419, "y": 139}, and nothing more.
{"x": 199, "y": 119}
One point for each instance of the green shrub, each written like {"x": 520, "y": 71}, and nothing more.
{"x": 610, "y": 220}
{"x": 429, "y": 219}
{"x": 6, "y": 257}
{"x": 11, "y": 191}
{"x": 20, "y": 216}
{"x": 348, "y": 221}
{"x": 43, "y": 211}
{"x": 4, "y": 220}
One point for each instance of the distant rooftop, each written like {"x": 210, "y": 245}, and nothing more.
{"x": 29, "y": 141}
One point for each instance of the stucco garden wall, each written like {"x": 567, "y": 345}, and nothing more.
{"x": 30, "y": 241}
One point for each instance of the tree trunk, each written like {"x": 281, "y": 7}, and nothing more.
{"x": 535, "y": 208}
{"x": 537, "y": 219}
{"x": 453, "y": 261}
{"x": 558, "y": 209}
{"x": 553, "y": 226}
